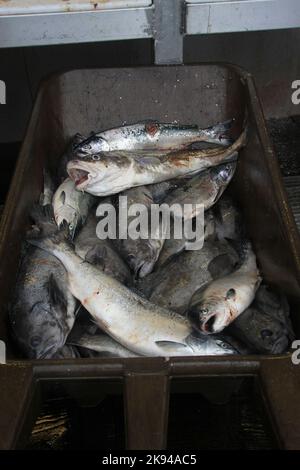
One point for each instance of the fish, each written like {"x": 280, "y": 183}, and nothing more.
{"x": 108, "y": 173}
{"x": 142, "y": 253}
{"x": 102, "y": 344}
{"x": 173, "y": 246}
{"x": 203, "y": 344}
{"x": 200, "y": 192}
{"x": 215, "y": 306}
{"x": 100, "y": 252}
{"x": 265, "y": 326}
{"x": 173, "y": 284}
{"x": 152, "y": 135}
{"x": 42, "y": 310}
{"x": 71, "y": 206}
{"x": 137, "y": 324}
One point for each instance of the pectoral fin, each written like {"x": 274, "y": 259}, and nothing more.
{"x": 172, "y": 347}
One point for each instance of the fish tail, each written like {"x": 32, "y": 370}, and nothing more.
{"x": 43, "y": 217}
{"x": 244, "y": 249}
{"x": 45, "y": 235}
{"x": 218, "y": 133}
{"x": 236, "y": 146}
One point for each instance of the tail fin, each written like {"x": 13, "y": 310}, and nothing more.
{"x": 218, "y": 133}
{"x": 44, "y": 234}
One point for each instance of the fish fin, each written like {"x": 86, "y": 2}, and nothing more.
{"x": 219, "y": 132}
{"x": 56, "y": 295}
{"x": 148, "y": 160}
{"x": 219, "y": 194}
{"x": 223, "y": 126}
{"x": 172, "y": 346}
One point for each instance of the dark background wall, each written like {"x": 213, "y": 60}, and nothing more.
{"x": 271, "y": 56}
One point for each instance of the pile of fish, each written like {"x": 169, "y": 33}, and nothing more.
{"x": 78, "y": 295}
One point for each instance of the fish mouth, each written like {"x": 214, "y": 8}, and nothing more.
{"x": 78, "y": 175}
{"x": 207, "y": 325}
{"x": 212, "y": 324}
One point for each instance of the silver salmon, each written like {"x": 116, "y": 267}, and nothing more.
{"x": 134, "y": 322}
{"x": 202, "y": 190}
{"x": 152, "y": 135}
{"x": 215, "y": 306}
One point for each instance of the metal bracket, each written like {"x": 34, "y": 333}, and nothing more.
{"x": 168, "y": 31}
{"x": 146, "y": 410}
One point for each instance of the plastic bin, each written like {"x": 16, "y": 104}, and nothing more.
{"x": 85, "y": 100}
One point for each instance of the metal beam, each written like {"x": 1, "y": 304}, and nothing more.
{"x": 76, "y": 27}
{"x": 206, "y": 17}
{"x": 168, "y": 31}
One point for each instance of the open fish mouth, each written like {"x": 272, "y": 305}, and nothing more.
{"x": 79, "y": 176}
{"x": 207, "y": 326}
{"x": 212, "y": 324}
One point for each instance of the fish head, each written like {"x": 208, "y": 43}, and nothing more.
{"x": 210, "y": 345}
{"x": 218, "y": 346}
{"x": 41, "y": 333}
{"x": 211, "y": 312}
{"x": 209, "y": 317}
{"x": 265, "y": 332}
{"x": 223, "y": 174}
{"x": 96, "y": 173}
{"x": 92, "y": 145}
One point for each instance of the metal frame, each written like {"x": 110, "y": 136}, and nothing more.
{"x": 147, "y": 381}
{"x": 165, "y": 21}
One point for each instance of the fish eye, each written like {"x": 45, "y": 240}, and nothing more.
{"x": 230, "y": 294}
{"x": 203, "y": 311}
{"x": 35, "y": 341}
{"x": 222, "y": 344}
{"x": 96, "y": 157}
{"x": 266, "y": 333}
